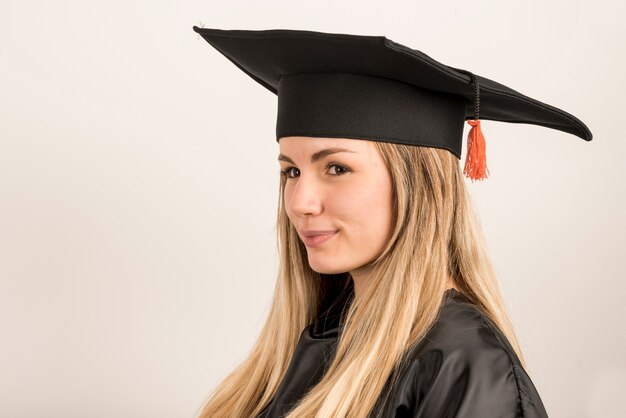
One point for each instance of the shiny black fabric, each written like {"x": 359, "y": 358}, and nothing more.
{"x": 464, "y": 368}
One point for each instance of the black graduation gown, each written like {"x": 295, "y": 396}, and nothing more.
{"x": 464, "y": 368}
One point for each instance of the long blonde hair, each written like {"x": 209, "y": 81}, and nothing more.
{"x": 436, "y": 233}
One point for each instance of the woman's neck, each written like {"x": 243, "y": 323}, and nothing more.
{"x": 360, "y": 281}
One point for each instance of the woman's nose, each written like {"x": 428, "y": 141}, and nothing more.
{"x": 305, "y": 197}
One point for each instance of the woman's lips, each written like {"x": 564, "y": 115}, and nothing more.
{"x": 318, "y": 240}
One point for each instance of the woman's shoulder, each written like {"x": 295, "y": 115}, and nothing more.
{"x": 464, "y": 338}
{"x": 464, "y": 367}
{"x": 463, "y": 328}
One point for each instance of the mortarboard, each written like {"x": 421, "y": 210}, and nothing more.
{"x": 369, "y": 87}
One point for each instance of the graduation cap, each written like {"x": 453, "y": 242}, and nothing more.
{"x": 369, "y": 87}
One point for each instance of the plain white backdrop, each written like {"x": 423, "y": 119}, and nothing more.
{"x": 139, "y": 189}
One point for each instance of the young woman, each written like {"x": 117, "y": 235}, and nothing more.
{"x": 386, "y": 303}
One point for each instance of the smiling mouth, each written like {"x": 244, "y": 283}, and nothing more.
{"x": 317, "y": 240}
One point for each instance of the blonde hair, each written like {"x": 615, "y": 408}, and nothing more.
{"x": 436, "y": 233}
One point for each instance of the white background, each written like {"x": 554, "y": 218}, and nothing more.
{"x": 139, "y": 187}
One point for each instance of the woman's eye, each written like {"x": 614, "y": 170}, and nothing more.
{"x": 339, "y": 170}
{"x": 339, "y": 167}
{"x": 286, "y": 172}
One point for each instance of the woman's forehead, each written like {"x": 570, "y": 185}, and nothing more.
{"x": 314, "y": 143}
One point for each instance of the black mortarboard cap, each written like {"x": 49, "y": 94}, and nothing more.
{"x": 369, "y": 87}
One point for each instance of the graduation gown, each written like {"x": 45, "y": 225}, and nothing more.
{"x": 464, "y": 368}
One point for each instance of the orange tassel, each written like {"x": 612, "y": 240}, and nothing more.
{"x": 476, "y": 160}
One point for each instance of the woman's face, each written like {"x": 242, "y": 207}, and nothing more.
{"x": 346, "y": 195}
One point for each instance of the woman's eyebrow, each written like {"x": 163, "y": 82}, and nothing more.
{"x": 317, "y": 156}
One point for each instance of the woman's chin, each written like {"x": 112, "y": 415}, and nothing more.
{"x": 319, "y": 266}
